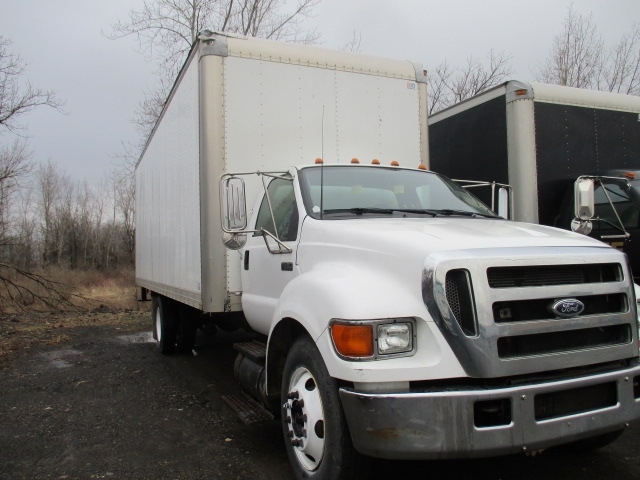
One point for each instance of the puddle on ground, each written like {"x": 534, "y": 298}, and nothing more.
{"x": 141, "y": 337}
{"x": 58, "y": 358}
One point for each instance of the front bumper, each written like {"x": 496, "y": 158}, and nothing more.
{"x": 440, "y": 424}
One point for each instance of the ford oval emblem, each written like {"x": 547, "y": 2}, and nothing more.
{"x": 567, "y": 307}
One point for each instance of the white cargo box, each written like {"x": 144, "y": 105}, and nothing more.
{"x": 243, "y": 105}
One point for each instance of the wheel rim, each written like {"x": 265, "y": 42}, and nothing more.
{"x": 158, "y": 326}
{"x": 304, "y": 417}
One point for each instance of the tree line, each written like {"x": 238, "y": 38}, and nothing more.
{"x": 55, "y": 220}
{"x": 48, "y": 219}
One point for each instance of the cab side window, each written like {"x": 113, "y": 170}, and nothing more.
{"x": 285, "y": 210}
{"x": 622, "y": 202}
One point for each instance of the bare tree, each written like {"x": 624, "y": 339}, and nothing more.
{"x": 49, "y": 188}
{"x": 622, "y": 70}
{"x": 448, "y": 86}
{"x": 16, "y": 98}
{"x": 580, "y": 58}
{"x": 166, "y": 29}
{"x": 577, "y": 57}
{"x": 15, "y": 166}
{"x": 353, "y": 44}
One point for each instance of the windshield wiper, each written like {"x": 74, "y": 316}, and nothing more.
{"x": 418, "y": 211}
{"x": 360, "y": 210}
{"x": 448, "y": 212}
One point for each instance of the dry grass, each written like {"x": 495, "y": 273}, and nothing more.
{"x": 60, "y": 289}
{"x": 94, "y": 298}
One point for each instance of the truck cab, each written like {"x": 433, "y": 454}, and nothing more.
{"x": 615, "y": 219}
{"x": 401, "y": 313}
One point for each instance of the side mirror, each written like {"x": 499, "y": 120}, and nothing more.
{"x": 233, "y": 212}
{"x": 584, "y": 199}
{"x": 233, "y": 204}
{"x": 503, "y": 203}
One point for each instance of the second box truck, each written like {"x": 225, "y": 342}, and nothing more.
{"x": 540, "y": 139}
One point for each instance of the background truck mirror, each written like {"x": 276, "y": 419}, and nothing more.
{"x": 233, "y": 204}
{"x": 584, "y": 198}
{"x": 503, "y": 203}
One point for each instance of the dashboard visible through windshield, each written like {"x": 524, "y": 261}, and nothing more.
{"x": 347, "y": 191}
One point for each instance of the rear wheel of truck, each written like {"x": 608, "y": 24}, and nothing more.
{"x": 189, "y": 321}
{"x": 315, "y": 430}
{"x": 164, "y": 325}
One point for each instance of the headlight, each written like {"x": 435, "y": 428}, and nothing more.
{"x": 373, "y": 339}
{"x": 395, "y": 338}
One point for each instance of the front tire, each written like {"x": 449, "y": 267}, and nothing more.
{"x": 316, "y": 434}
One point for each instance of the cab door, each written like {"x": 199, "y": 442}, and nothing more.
{"x": 269, "y": 254}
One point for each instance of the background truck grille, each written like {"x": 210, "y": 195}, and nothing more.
{"x": 546, "y": 275}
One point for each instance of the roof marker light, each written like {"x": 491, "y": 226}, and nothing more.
{"x": 394, "y": 163}
{"x": 319, "y": 161}
{"x": 375, "y": 161}
{"x": 630, "y": 175}
{"x": 422, "y": 166}
{"x": 521, "y": 92}
{"x": 355, "y": 160}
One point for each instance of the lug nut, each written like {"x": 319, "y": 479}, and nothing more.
{"x": 296, "y": 442}
{"x": 288, "y": 419}
{"x": 293, "y": 395}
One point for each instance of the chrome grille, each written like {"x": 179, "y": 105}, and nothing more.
{"x": 493, "y": 306}
{"x": 548, "y": 275}
{"x": 566, "y": 341}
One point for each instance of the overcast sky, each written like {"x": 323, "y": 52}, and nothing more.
{"x": 101, "y": 80}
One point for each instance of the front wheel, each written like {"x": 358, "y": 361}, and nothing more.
{"x": 316, "y": 434}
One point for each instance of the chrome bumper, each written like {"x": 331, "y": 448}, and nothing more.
{"x": 443, "y": 424}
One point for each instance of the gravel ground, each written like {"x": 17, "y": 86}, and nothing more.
{"x": 102, "y": 403}
{"x": 88, "y": 397}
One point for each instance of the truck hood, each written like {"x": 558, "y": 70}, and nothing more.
{"x": 452, "y": 233}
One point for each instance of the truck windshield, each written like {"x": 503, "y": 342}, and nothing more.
{"x": 349, "y": 191}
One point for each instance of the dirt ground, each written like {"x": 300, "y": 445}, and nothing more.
{"x": 87, "y": 396}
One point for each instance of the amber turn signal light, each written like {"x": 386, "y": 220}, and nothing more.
{"x": 353, "y": 340}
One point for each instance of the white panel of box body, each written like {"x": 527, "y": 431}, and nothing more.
{"x": 279, "y": 115}
{"x": 168, "y": 199}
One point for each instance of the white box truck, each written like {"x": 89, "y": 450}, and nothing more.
{"x": 398, "y": 317}
{"x": 541, "y": 139}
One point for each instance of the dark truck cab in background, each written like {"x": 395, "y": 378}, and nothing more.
{"x": 616, "y": 216}
{"x": 540, "y": 139}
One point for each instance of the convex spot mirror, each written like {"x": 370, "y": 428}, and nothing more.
{"x": 583, "y": 227}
